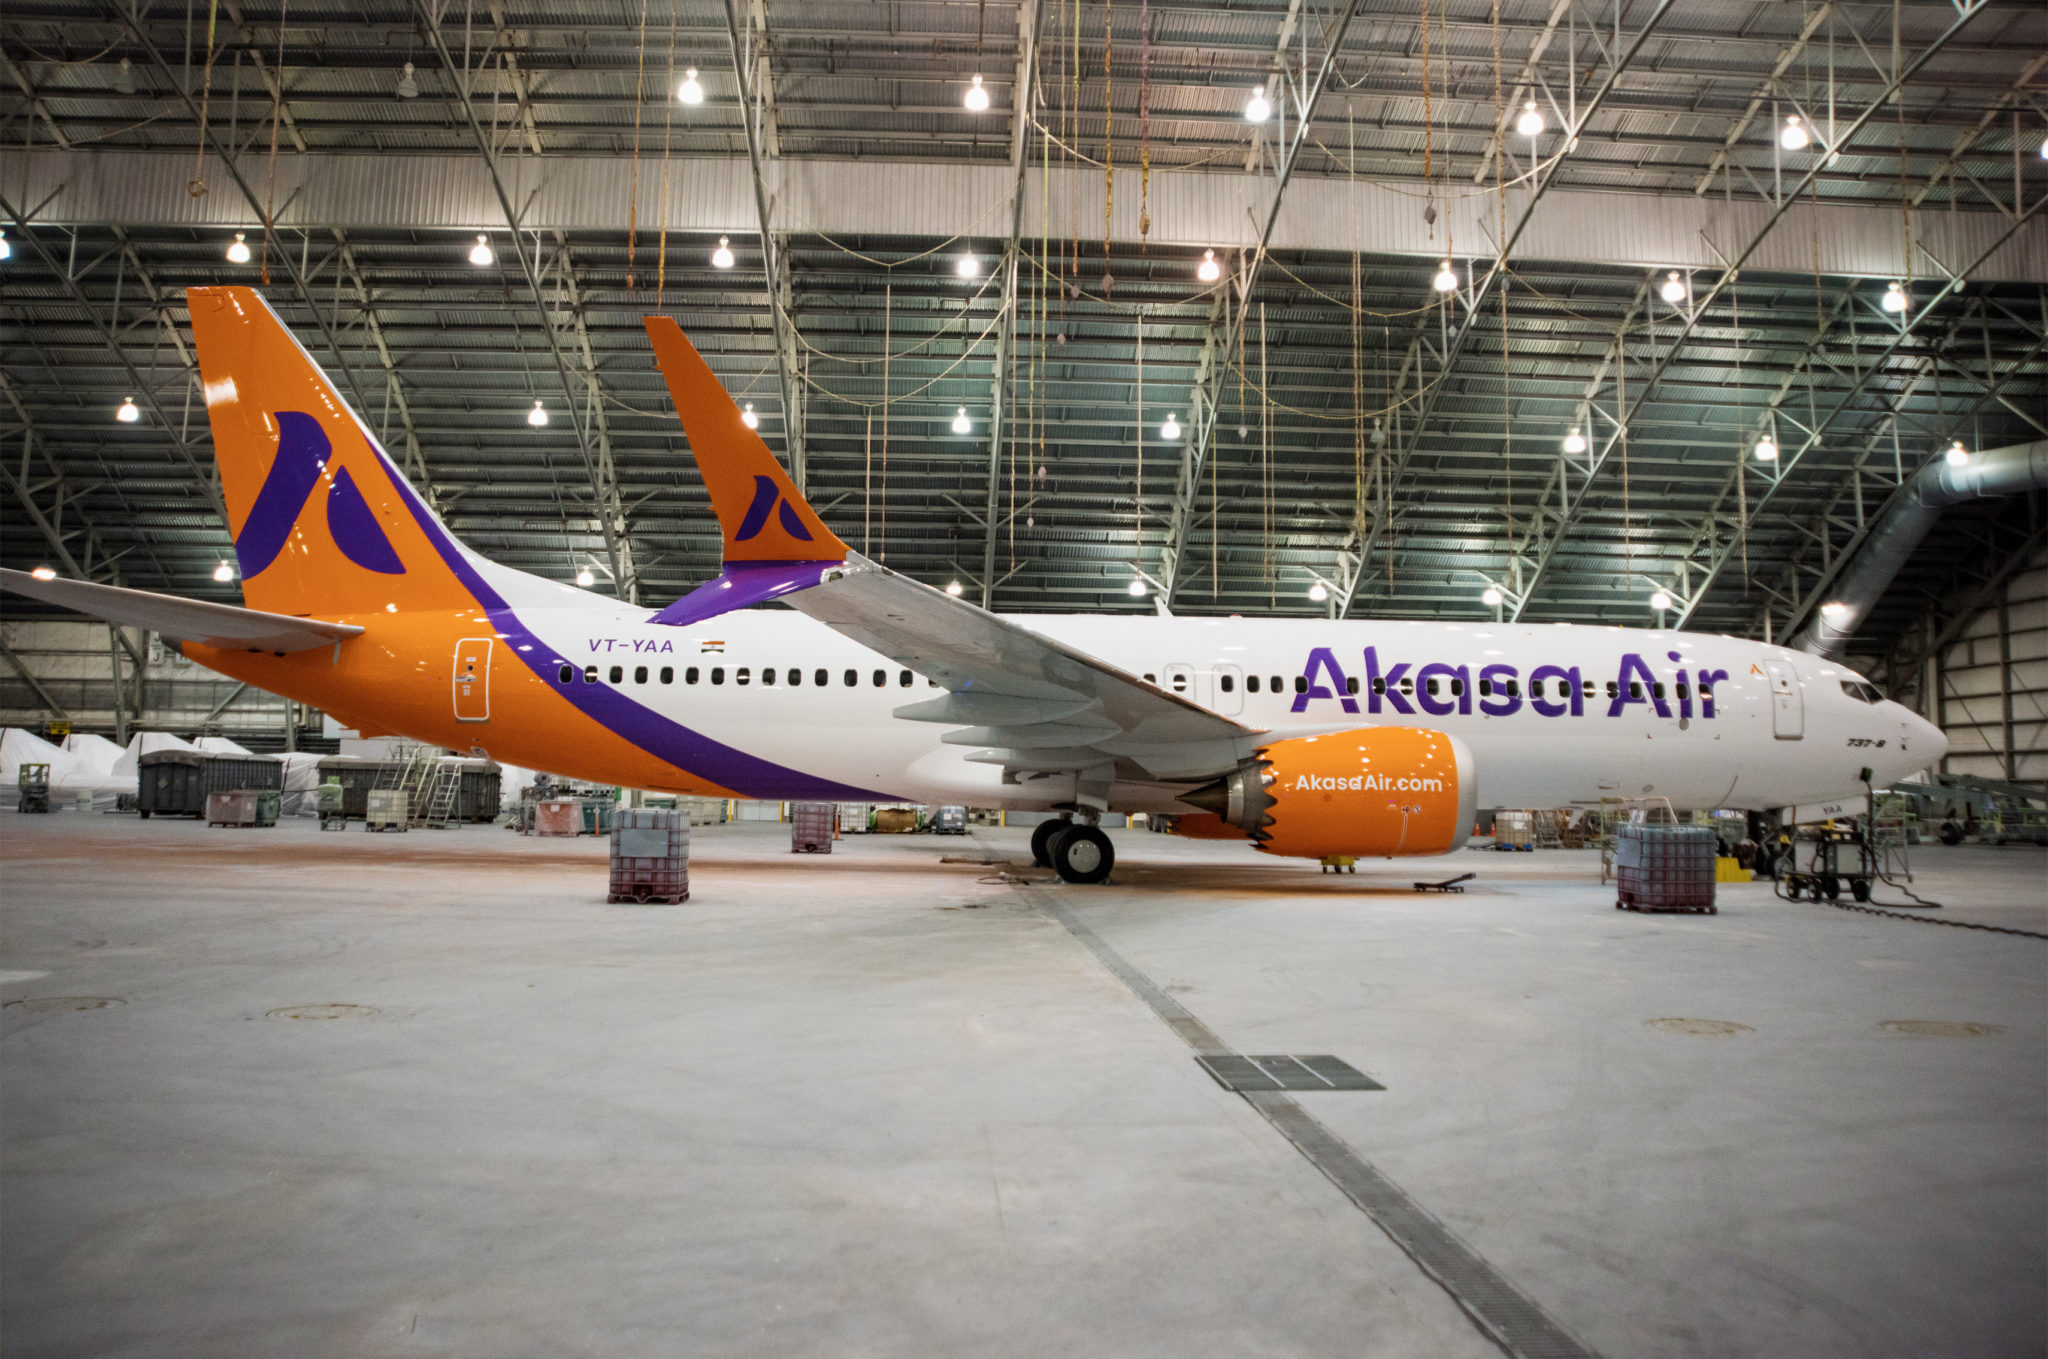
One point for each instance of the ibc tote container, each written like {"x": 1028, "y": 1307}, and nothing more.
{"x": 650, "y": 855}
{"x": 1664, "y": 868}
{"x": 810, "y": 827}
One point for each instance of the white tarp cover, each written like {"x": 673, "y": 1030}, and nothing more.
{"x": 95, "y": 754}
{"x": 128, "y": 768}
{"x": 220, "y": 745}
{"x": 301, "y": 775}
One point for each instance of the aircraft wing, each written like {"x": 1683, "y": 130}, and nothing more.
{"x": 216, "y": 625}
{"x": 1019, "y": 698}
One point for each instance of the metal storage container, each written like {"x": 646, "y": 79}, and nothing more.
{"x": 558, "y": 816}
{"x": 480, "y": 797}
{"x": 242, "y": 807}
{"x": 177, "y": 782}
{"x": 1664, "y": 868}
{"x": 810, "y": 827}
{"x": 853, "y": 818}
{"x": 1514, "y": 830}
{"x": 950, "y": 821}
{"x": 650, "y": 855}
{"x": 357, "y": 777}
{"x": 597, "y": 815}
{"x": 387, "y": 809}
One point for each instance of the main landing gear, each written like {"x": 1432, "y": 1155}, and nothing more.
{"x": 1079, "y": 853}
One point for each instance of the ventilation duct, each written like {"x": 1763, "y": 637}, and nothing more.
{"x": 1906, "y": 520}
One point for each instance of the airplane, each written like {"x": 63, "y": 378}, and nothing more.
{"x": 1302, "y": 738}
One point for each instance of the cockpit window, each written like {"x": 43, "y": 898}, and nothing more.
{"x": 1862, "y": 691}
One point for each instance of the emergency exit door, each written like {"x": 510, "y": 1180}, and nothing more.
{"x": 1788, "y": 704}
{"x": 473, "y": 679}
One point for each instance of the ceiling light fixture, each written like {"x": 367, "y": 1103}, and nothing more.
{"x": 1660, "y": 601}
{"x": 1673, "y": 290}
{"x": 129, "y": 412}
{"x": 1446, "y": 280}
{"x": 961, "y": 424}
{"x": 44, "y": 573}
{"x": 1491, "y": 596}
{"x": 1894, "y": 297}
{"x": 1834, "y": 610}
{"x": 6, "y": 250}
{"x": 1256, "y": 109}
{"x": 1137, "y": 588}
{"x": 953, "y": 586}
{"x": 407, "y": 87}
{"x": 1208, "y": 270}
{"x": 748, "y": 418}
{"x": 1574, "y": 442}
{"x": 538, "y": 416}
{"x": 1530, "y": 124}
{"x": 238, "y": 249}
{"x": 1794, "y": 135}
{"x": 124, "y": 77}
{"x": 968, "y": 267}
{"x": 1171, "y": 428}
{"x": 1957, "y": 455}
{"x": 721, "y": 258}
{"x": 689, "y": 92}
{"x": 481, "y": 254}
{"x": 977, "y": 102}
{"x": 223, "y": 572}
{"x": 585, "y": 579}
{"x": 1766, "y": 448}
{"x": 1319, "y": 592}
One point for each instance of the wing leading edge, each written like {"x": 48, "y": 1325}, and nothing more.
{"x": 216, "y": 625}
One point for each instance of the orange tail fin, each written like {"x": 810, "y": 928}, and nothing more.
{"x": 762, "y": 515}
{"x": 322, "y": 522}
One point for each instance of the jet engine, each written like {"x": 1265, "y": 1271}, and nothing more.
{"x": 1376, "y": 791}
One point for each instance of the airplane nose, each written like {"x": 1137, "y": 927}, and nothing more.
{"x": 1925, "y": 742}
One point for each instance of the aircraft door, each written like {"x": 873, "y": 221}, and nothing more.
{"x": 473, "y": 679}
{"x": 1189, "y": 683}
{"x": 1788, "y": 704}
{"x": 1229, "y": 682}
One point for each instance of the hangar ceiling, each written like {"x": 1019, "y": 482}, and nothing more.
{"x": 1346, "y": 437}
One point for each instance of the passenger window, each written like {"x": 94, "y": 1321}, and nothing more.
{"x": 1301, "y": 684}
{"x": 1430, "y": 685}
{"x": 690, "y": 675}
{"x": 1514, "y": 689}
{"x": 1457, "y": 688}
{"x": 668, "y": 674}
{"x": 1657, "y": 689}
{"x": 639, "y": 674}
{"x": 1251, "y": 684}
{"x": 1706, "y": 692}
{"x": 1180, "y": 683}
{"x": 821, "y": 677}
{"x": 881, "y": 678}
{"x": 1486, "y": 688}
{"x": 618, "y": 674}
{"x": 1277, "y": 687}
{"x": 768, "y": 675}
{"x": 1683, "y": 690}
{"x": 590, "y": 674}
{"x": 1151, "y": 678}
{"x": 1379, "y": 685}
{"x": 1635, "y": 688}
{"x": 1226, "y": 684}
{"x": 1613, "y": 689}
{"x": 1588, "y": 687}
{"x": 794, "y": 678}
{"x": 718, "y": 674}
{"x": 904, "y": 679}
{"x": 568, "y": 672}
{"x": 1407, "y": 686}
{"x": 1350, "y": 684}
{"x": 852, "y": 678}
{"x": 741, "y": 675}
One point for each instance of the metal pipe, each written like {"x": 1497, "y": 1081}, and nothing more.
{"x": 1906, "y": 521}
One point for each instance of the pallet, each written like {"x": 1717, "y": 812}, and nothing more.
{"x": 1625, "y": 902}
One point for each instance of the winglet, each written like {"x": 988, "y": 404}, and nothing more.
{"x": 762, "y": 515}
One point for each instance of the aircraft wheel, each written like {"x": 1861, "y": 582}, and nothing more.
{"x": 1041, "y": 841}
{"x": 1829, "y": 886}
{"x": 1082, "y": 854}
{"x": 1859, "y": 888}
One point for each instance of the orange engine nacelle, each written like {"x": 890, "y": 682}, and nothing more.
{"x": 1374, "y": 791}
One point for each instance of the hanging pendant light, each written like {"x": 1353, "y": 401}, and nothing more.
{"x": 1170, "y": 430}
{"x": 538, "y": 416}
{"x": 238, "y": 249}
{"x": 1208, "y": 271}
{"x": 1794, "y": 137}
{"x": 1894, "y": 297}
{"x": 961, "y": 424}
{"x": 1660, "y": 601}
{"x": 1446, "y": 280}
{"x": 1834, "y": 611}
{"x": 6, "y": 250}
{"x": 1673, "y": 290}
{"x": 689, "y": 92}
{"x": 1137, "y": 588}
{"x": 44, "y": 573}
{"x": 1530, "y": 124}
{"x": 748, "y": 418}
{"x": 407, "y": 87}
{"x": 1957, "y": 455}
{"x": 953, "y": 587}
{"x": 223, "y": 572}
{"x": 1319, "y": 592}
{"x": 129, "y": 412}
{"x": 721, "y": 258}
{"x": 968, "y": 267}
{"x": 1256, "y": 109}
{"x": 1766, "y": 448}
{"x": 1491, "y": 597}
{"x": 481, "y": 254}
{"x": 1574, "y": 442}
{"x": 977, "y": 97}
{"x": 585, "y": 579}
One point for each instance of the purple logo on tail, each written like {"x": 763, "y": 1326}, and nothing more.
{"x": 766, "y": 499}
{"x": 302, "y": 454}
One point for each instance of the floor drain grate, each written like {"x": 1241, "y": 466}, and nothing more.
{"x": 321, "y": 1012}
{"x": 1282, "y": 1072}
{"x": 56, "y": 1005}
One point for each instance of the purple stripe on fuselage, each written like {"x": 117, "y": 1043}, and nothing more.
{"x": 657, "y": 735}
{"x": 741, "y": 585}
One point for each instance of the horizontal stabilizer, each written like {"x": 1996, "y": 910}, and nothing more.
{"x": 191, "y": 620}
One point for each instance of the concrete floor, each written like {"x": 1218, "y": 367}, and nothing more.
{"x": 879, "y": 1104}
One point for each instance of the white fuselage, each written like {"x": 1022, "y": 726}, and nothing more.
{"x": 1554, "y": 714}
